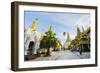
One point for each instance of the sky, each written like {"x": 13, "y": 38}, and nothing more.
{"x": 60, "y": 22}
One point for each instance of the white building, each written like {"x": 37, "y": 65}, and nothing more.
{"x": 31, "y": 35}
{"x": 68, "y": 41}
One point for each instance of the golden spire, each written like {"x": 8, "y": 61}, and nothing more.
{"x": 34, "y": 25}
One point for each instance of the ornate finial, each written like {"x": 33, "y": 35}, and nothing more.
{"x": 36, "y": 18}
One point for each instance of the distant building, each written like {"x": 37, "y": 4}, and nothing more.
{"x": 68, "y": 41}
{"x": 85, "y": 40}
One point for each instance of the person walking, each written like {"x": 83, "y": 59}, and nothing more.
{"x": 80, "y": 51}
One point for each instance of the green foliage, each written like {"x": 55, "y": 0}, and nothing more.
{"x": 81, "y": 39}
{"x": 49, "y": 41}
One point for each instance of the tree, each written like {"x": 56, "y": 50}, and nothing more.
{"x": 82, "y": 40}
{"x": 48, "y": 41}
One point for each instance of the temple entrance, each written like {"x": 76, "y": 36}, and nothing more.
{"x": 31, "y": 48}
{"x": 30, "y": 52}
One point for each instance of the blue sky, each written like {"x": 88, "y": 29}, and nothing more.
{"x": 60, "y": 22}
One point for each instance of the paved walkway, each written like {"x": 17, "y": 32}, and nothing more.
{"x": 64, "y": 55}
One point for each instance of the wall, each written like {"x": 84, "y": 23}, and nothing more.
{"x": 5, "y": 34}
